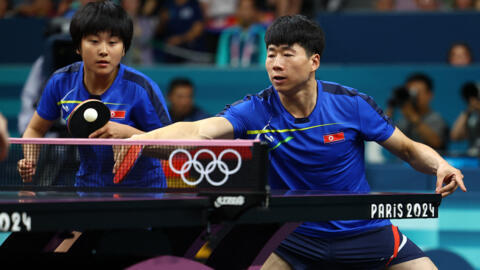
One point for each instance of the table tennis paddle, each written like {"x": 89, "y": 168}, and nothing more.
{"x": 87, "y": 117}
{"x": 130, "y": 158}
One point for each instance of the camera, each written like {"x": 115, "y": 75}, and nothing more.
{"x": 470, "y": 90}
{"x": 400, "y": 96}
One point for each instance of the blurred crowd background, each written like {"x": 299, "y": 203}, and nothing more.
{"x": 418, "y": 59}
{"x": 221, "y": 32}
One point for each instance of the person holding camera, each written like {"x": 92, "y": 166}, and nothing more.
{"x": 419, "y": 122}
{"x": 467, "y": 124}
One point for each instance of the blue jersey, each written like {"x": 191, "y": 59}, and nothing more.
{"x": 324, "y": 151}
{"x": 133, "y": 100}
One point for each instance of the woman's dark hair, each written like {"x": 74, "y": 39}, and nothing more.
{"x": 102, "y": 16}
{"x": 298, "y": 29}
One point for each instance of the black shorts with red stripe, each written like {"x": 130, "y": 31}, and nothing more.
{"x": 375, "y": 249}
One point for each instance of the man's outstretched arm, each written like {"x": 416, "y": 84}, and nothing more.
{"x": 209, "y": 128}
{"x": 424, "y": 159}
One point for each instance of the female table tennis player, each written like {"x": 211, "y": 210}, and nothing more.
{"x": 102, "y": 34}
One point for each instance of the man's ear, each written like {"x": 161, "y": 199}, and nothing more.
{"x": 315, "y": 61}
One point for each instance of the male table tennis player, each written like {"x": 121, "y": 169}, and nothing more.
{"x": 102, "y": 33}
{"x": 316, "y": 132}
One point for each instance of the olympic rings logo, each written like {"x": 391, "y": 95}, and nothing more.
{"x": 205, "y": 171}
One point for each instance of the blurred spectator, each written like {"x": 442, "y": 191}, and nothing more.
{"x": 307, "y": 8}
{"x": 286, "y": 7}
{"x": 419, "y": 122}
{"x": 460, "y": 55}
{"x": 467, "y": 124}
{"x": 36, "y": 8}
{"x": 66, "y": 8}
{"x": 141, "y": 50}
{"x": 150, "y": 7}
{"x": 406, "y": 5}
{"x": 181, "y": 99}
{"x": 463, "y": 4}
{"x": 4, "y": 145}
{"x": 219, "y": 14}
{"x": 428, "y": 5}
{"x": 329, "y": 5}
{"x": 243, "y": 45}
{"x": 179, "y": 33}
{"x": 63, "y": 7}
{"x": 419, "y": 5}
{"x": 385, "y": 5}
{"x": 5, "y": 8}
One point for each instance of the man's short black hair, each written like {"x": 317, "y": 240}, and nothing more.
{"x": 102, "y": 16}
{"x": 298, "y": 29}
{"x": 179, "y": 82}
{"x": 422, "y": 77}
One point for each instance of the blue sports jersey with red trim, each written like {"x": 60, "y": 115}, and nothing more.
{"x": 324, "y": 151}
{"x": 133, "y": 100}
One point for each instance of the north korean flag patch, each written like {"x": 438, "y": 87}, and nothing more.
{"x": 335, "y": 137}
{"x": 117, "y": 114}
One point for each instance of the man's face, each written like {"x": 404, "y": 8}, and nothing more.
{"x": 181, "y": 99}
{"x": 101, "y": 53}
{"x": 289, "y": 67}
{"x": 459, "y": 56}
{"x": 246, "y": 12}
{"x": 420, "y": 90}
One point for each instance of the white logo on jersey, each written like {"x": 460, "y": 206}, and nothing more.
{"x": 269, "y": 137}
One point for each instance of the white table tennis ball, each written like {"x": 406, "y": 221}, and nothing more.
{"x": 90, "y": 114}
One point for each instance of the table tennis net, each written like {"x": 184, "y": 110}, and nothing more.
{"x": 189, "y": 165}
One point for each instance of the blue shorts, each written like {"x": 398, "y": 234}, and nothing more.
{"x": 374, "y": 249}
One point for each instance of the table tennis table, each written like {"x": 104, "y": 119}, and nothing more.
{"x": 47, "y": 210}
{"x": 34, "y": 210}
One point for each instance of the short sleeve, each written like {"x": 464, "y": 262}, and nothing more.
{"x": 374, "y": 124}
{"x": 49, "y": 107}
{"x": 237, "y": 114}
{"x": 150, "y": 110}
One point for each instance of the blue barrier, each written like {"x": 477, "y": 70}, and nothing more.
{"x": 416, "y": 37}
{"x": 22, "y": 39}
